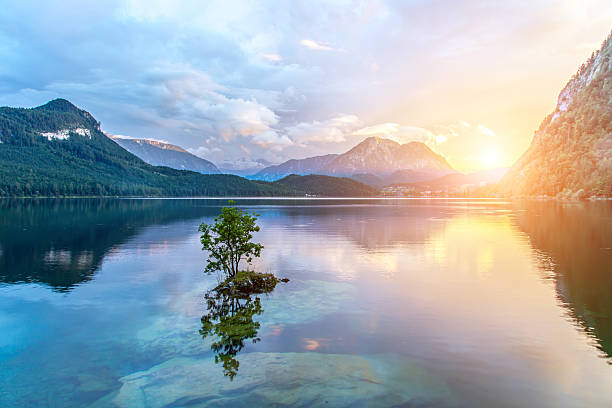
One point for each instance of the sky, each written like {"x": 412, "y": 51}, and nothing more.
{"x": 237, "y": 81}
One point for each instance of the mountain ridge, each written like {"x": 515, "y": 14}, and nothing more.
{"x": 158, "y": 153}
{"x": 309, "y": 165}
{"x": 57, "y": 149}
{"x": 382, "y": 157}
{"x": 374, "y": 158}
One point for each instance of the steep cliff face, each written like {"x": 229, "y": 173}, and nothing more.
{"x": 571, "y": 152}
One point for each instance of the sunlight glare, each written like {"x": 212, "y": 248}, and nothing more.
{"x": 490, "y": 158}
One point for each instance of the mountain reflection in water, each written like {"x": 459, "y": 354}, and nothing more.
{"x": 62, "y": 242}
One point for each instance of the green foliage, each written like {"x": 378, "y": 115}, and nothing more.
{"x": 571, "y": 153}
{"x": 231, "y": 307}
{"x": 248, "y": 283}
{"x": 228, "y": 240}
{"x": 231, "y": 312}
{"x": 328, "y": 186}
{"x": 32, "y": 165}
{"x": 230, "y": 321}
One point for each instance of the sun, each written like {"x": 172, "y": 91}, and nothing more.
{"x": 490, "y": 158}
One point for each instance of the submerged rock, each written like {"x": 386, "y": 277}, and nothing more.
{"x": 284, "y": 379}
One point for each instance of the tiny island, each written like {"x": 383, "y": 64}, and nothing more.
{"x": 232, "y": 304}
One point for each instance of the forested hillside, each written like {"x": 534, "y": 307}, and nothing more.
{"x": 328, "y": 186}
{"x": 59, "y": 150}
{"x": 571, "y": 152}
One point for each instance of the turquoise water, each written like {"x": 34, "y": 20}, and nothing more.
{"x": 445, "y": 303}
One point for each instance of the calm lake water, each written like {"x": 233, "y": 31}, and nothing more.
{"x": 407, "y": 303}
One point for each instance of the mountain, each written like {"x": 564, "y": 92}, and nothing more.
{"x": 382, "y": 157}
{"x": 328, "y": 186}
{"x": 311, "y": 165}
{"x": 571, "y": 152}
{"x": 373, "y": 160}
{"x": 369, "y": 179}
{"x": 58, "y": 149}
{"x": 159, "y": 153}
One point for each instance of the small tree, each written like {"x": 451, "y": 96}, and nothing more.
{"x": 228, "y": 240}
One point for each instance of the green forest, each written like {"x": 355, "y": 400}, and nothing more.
{"x": 570, "y": 155}
{"x": 320, "y": 185}
{"x": 32, "y": 165}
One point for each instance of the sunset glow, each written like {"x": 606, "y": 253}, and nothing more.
{"x": 293, "y": 83}
{"x": 491, "y": 159}
{"x": 312, "y": 203}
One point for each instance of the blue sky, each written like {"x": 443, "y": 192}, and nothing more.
{"x": 278, "y": 80}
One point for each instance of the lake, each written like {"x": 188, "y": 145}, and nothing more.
{"x": 405, "y": 303}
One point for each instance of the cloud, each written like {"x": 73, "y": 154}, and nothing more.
{"x": 191, "y": 96}
{"x": 272, "y": 57}
{"x": 203, "y": 151}
{"x": 272, "y": 139}
{"x": 471, "y": 147}
{"x": 313, "y": 45}
{"x": 486, "y": 131}
{"x": 402, "y": 133}
{"x": 441, "y": 139}
{"x": 333, "y": 130}
{"x": 382, "y": 129}
{"x": 247, "y": 78}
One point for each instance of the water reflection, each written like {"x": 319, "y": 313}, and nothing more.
{"x": 62, "y": 242}
{"x": 575, "y": 241}
{"x": 230, "y": 321}
{"x": 390, "y": 304}
{"x": 376, "y": 225}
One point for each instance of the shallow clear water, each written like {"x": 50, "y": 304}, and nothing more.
{"x": 390, "y": 303}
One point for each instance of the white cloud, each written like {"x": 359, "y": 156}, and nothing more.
{"x": 382, "y": 129}
{"x": 272, "y": 57}
{"x": 313, "y": 45}
{"x": 333, "y": 130}
{"x": 470, "y": 147}
{"x": 486, "y": 131}
{"x": 252, "y": 76}
{"x": 203, "y": 151}
{"x": 191, "y": 95}
{"x": 407, "y": 134}
{"x": 271, "y": 139}
{"x": 441, "y": 139}
{"x": 401, "y": 133}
